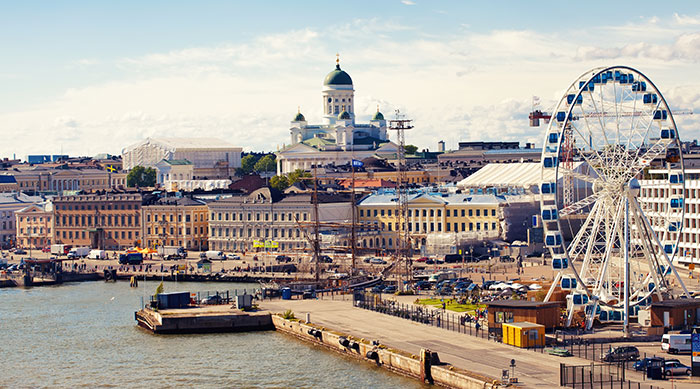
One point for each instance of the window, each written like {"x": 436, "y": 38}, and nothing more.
{"x": 362, "y": 212}
{"x": 470, "y": 213}
{"x": 447, "y": 214}
{"x": 493, "y": 212}
{"x": 478, "y": 212}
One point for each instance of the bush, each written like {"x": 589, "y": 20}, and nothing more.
{"x": 288, "y": 315}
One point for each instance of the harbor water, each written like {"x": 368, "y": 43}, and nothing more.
{"x": 84, "y": 335}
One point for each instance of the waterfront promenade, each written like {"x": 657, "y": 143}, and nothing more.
{"x": 533, "y": 369}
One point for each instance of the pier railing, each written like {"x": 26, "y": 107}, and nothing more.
{"x": 434, "y": 317}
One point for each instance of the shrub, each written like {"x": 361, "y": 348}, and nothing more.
{"x": 288, "y": 315}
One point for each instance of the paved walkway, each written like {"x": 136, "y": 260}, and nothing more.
{"x": 533, "y": 369}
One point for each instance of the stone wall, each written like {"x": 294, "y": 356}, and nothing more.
{"x": 394, "y": 360}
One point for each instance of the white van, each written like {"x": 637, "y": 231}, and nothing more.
{"x": 441, "y": 276}
{"x": 676, "y": 343}
{"x": 212, "y": 254}
{"x": 97, "y": 254}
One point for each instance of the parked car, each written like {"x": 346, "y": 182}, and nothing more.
{"x": 429, "y": 261}
{"x": 621, "y": 353}
{"x": 422, "y": 285}
{"x": 213, "y": 299}
{"x": 642, "y": 364}
{"x": 20, "y": 251}
{"x": 233, "y": 256}
{"x": 283, "y": 258}
{"x": 377, "y": 261}
{"x": 675, "y": 368}
{"x": 389, "y": 289}
{"x": 422, "y": 259}
{"x": 46, "y": 249}
{"x": 378, "y": 289}
{"x": 325, "y": 259}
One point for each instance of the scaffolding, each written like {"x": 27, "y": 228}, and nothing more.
{"x": 403, "y": 238}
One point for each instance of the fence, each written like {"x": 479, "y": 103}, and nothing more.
{"x": 425, "y": 315}
{"x": 598, "y": 375}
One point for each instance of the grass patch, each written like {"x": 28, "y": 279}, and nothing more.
{"x": 451, "y": 305}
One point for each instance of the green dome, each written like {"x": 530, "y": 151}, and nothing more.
{"x": 337, "y": 77}
{"x": 378, "y": 116}
{"x": 299, "y": 118}
{"x": 344, "y": 116}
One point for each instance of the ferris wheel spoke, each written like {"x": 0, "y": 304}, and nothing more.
{"x": 595, "y": 229}
{"x": 579, "y": 205}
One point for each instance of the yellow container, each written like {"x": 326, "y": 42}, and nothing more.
{"x": 523, "y": 334}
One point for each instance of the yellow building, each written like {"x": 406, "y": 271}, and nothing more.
{"x": 523, "y": 334}
{"x": 35, "y": 226}
{"x": 470, "y": 217}
{"x": 172, "y": 221}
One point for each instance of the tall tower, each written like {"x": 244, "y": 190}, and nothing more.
{"x": 338, "y": 94}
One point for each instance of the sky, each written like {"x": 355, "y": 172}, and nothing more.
{"x": 89, "y": 77}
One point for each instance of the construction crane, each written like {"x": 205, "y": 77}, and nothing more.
{"x": 536, "y": 115}
{"x": 403, "y": 239}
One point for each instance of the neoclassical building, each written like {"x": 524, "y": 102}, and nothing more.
{"x": 339, "y": 139}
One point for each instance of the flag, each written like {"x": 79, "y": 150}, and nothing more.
{"x": 356, "y": 163}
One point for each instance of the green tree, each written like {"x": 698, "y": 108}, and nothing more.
{"x": 267, "y": 163}
{"x": 410, "y": 149}
{"x": 248, "y": 163}
{"x": 296, "y": 175}
{"x": 141, "y": 177}
{"x": 279, "y": 182}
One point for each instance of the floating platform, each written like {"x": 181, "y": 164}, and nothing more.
{"x": 203, "y": 319}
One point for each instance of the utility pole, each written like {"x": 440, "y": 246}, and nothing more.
{"x": 317, "y": 226}
{"x": 403, "y": 239}
{"x": 353, "y": 209}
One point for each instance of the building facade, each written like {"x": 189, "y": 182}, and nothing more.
{"x": 339, "y": 139}
{"x": 174, "y": 221}
{"x": 211, "y": 158}
{"x": 45, "y": 179}
{"x": 236, "y": 223}
{"x": 448, "y": 217}
{"x": 35, "y": 226}
{"x": 9, "y": 204}
{"x": 107, "y": 221}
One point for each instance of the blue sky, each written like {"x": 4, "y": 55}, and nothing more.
{"x": 88, "y": 77}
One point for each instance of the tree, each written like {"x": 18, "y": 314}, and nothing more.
{"x": 279, "y": 182}
{"x": 296, "y": 175}
{"x": 248, "y": 163}
{"x": 141, "y": 177}
{"x": 267, "y": 163}
{"x": 410, "y": 149}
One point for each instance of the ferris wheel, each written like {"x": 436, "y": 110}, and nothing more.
{"x": 611, "y": 137}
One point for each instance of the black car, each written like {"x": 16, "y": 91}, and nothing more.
{"x": 283, "y": 258}
{"x": 451, "y": 258}
{"x": 642, "y": 364}
{"x": 622, "y": 353}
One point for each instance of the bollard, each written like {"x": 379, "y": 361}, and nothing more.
{"x": 308, "y": 317}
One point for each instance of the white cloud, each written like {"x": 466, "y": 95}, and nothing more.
{"x": 685, "y": 20}
{"x": 466, "y": 86}
{"x": 408, "y": 2}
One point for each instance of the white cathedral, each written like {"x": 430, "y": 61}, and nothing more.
{"x": 339, "y": 139}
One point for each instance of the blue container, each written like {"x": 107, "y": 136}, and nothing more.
{"x": 173, "y": 300}
{"x": 286, "y": 294}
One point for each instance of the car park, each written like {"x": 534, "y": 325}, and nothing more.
{"x": 675, "y": 368}
{"x": 621, "y": 353}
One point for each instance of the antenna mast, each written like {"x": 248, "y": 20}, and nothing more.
{"x": 403, "y": 239}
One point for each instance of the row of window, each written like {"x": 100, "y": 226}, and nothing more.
{"x": 34, "y": 230}
{"x": 232, "y": 216}
{"x": 430, "y": 212}
{"x": 171, "y": 218}
{"x": 102, "y": 220}
{"x": 259, "y": 232}
{"x": 187, "y": 231}
{"x": 83, "y": 207}
{"x": 109, "y": 234}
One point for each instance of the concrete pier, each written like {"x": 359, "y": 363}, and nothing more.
{"x": 211, "y": 318}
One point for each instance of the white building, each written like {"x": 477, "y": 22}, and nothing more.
{"x": 654, "y": 197}
{"x": 339, "y": 139}
{"x": 9, "y": 204}
{"x": 210, "y": 157}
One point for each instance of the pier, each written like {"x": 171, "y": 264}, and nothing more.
{"x": 202, "y": 319}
